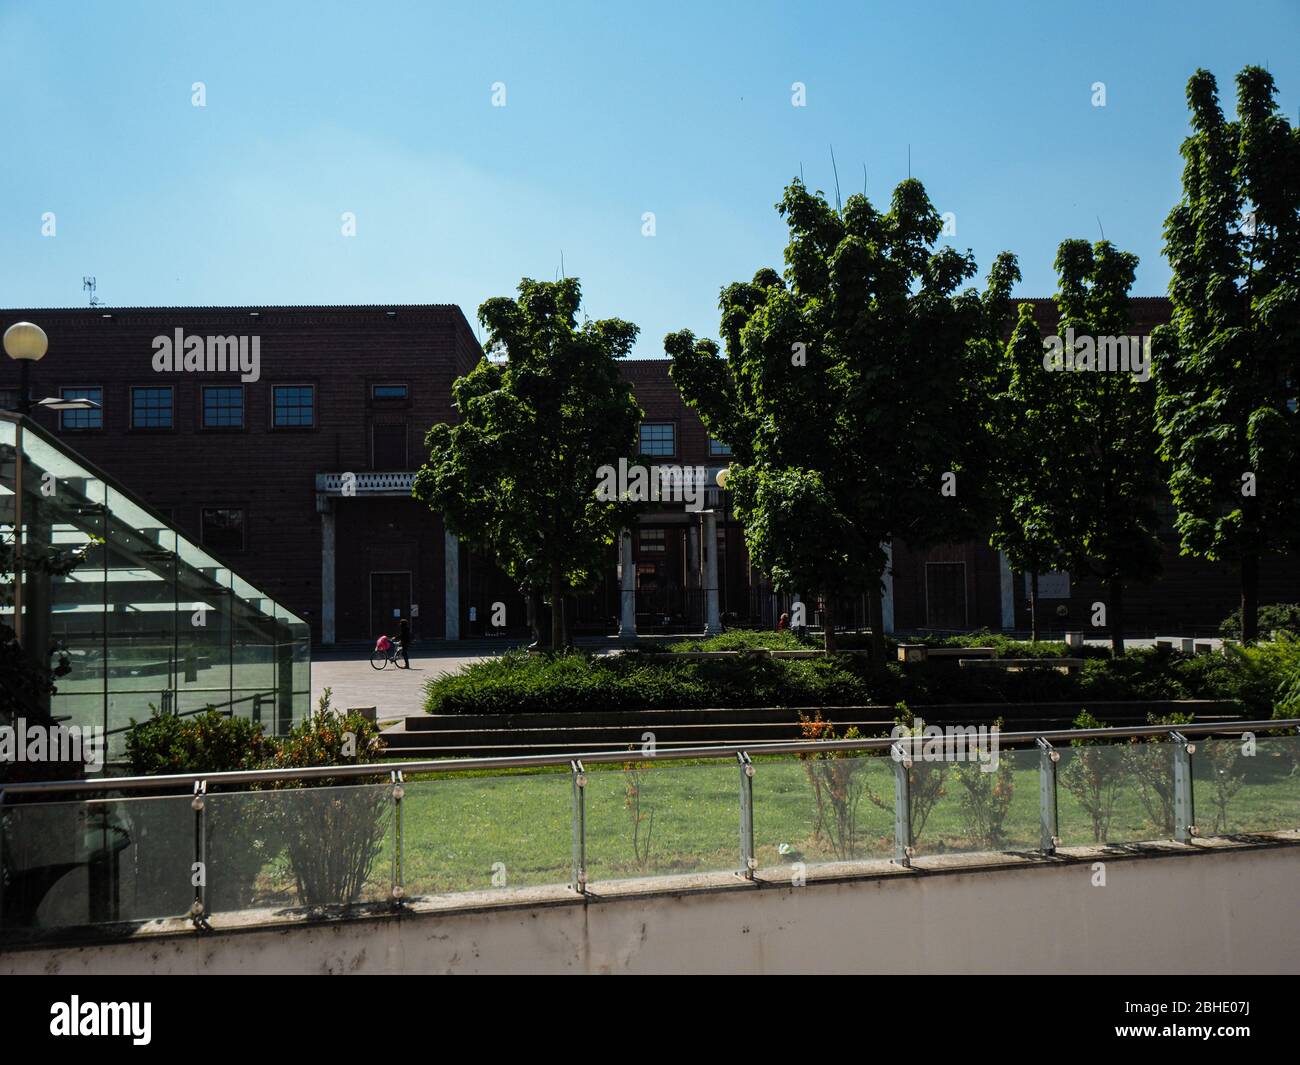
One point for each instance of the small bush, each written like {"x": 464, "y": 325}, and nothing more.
{"x": 209, "y": 742}
{"x": 1274, "y": 617}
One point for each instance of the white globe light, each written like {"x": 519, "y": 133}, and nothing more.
{"x": 722, "y": 476}
{"x": 23, "y": 340}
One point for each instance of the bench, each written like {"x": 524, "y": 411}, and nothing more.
{"x": 921, "y": 652}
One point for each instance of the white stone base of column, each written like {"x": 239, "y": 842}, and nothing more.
{"x": 627, "y": 588}
{"x": 451, "y": 586}
{"x": 1008, "y": 592}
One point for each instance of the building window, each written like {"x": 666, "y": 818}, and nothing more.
{"x": 82, "y": 419}
{"x": 294, "y": 406}
{"x": 652, "y": 540}
{"x": 388, "y": 392}
{"x": 222, "y": 529}
{"x": 223, "y": 408}
{"x": 389, "y": 450}
{"x": 151, "y": 408}
{"x": 717, "y": 447}
{"x": 658, "y": 438}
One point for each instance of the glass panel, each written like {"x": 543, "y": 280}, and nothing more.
{"x": 966, "y": 805}
{"x": 823, "y": 809}
{"x": 473, "y": 833}
{"x": 1240, "y": 787}
{"x": 1115, "y": 793}
{"x": 659, "y": 819}
{"x": 203, "y": 630}
{"x": 75, "y": 863}
{"x": 308, "y": 847}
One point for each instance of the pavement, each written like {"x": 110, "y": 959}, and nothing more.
{"x": 394, "y": 692}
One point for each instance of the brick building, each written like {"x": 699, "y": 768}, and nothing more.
{"x": 299, "y": 474}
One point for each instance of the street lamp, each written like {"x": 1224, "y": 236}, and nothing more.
{"x": 27, "y": 343}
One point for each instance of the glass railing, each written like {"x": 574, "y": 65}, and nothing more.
{"x": 130, "y": 850}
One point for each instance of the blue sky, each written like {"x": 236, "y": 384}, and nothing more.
{"x": 612, "y": 110}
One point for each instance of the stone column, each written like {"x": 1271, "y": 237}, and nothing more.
{"x": 712, "y": 618}
{"x": 887, "y": 593}
{"x": 451, "y": 586}
{"x": 1008, "y": 592}
{"x": 627, "y": 587}
{"x": 325, "y": 506}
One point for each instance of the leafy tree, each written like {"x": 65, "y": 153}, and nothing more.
{"x": 849, "y": 392}
{"x": 1099, "y": 430}
{"x": 1228, "y": 363}
{"x": 518, "y": 473}
{"x": 1029, "y": 423}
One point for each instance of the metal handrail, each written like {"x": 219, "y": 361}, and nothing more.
{"x": 187, "y": 781}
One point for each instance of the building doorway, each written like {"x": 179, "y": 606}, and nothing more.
{"x": 390, "y": 601}
{"x": 945, "y": 595}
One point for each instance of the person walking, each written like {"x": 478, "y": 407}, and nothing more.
{"x": 404, "y": 638}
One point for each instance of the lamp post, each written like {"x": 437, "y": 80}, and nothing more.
{"x": 27, "y": 343}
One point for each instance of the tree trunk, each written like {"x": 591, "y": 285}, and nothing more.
{"x": 557, "y": 611}
{"x": 1116, "y": 616}
{"x": 828, "y": 622}
{"x": 1249, "y": 597}
{"x": 875, "y": 618}
{"x": 1033, "y": 606}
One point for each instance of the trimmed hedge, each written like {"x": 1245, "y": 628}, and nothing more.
{"x": 517, "y": 682}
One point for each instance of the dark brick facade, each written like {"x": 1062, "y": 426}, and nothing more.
{"x": 269, "y": 473}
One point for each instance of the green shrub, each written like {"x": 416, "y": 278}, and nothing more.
{"x": 1274, "y": 617}
{"x": 332, "y": 828}
{"x": 210, "y": 742}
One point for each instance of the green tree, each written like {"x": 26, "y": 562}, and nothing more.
{"x": 517, "y": 474}
{"x": 1228, "y": 362}
{"x": 1031, "y": 423}
{"x": 846, "y": 392}
{"x": 1102, "y": 435}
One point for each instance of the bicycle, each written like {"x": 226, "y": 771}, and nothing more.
{"x": 386, "y": 650}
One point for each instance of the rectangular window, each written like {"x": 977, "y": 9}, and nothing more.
{"x": 294, "y": 406}
{"x": 658, "y": 438}
{"x": 388, "y": 391}
{"x": 223, "y": 407}
{"x": 389, "y": 451}
{"x": 82, "y": 419}
{"x": 651, "y": 539}
{"x": 222, "y": 529}
{"x": 717, "y": 447}
{"x": 151, "y": 408}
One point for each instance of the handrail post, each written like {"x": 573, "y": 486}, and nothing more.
{"x": 579, "y": 880}
{"x": 199, "y": 907}
{"x": 748, "y": 861}
{"x": 903, "y": 849}
{"x": 1049, "y": 824}
{"x": 1184, "y": 806}
{"x": 398, "y": 793}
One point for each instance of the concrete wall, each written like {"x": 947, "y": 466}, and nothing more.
{"x": 1207, "y": 909}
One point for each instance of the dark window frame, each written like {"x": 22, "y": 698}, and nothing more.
{"x": 243, "y": 409}
{"x": 222, "y": 550}
{"x": 171, "y": 409}
{"x": 275, "y": 407}
{"x": 640, "y": 439}
{"x": 64, "y": 427}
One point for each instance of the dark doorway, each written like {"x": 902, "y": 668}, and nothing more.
{"x": 390, "y": 601}
{"x": 945, "y": 595}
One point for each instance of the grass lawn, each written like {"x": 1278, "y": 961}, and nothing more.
{"x": 475, "y": 831}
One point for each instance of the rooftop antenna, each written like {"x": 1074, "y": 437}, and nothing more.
{"x": 864, "y": 181}
{"x": 88, "y": 284}
{"x": 562, "y": 273}
{"x": 1099, "y": 229}
{"x": 801, "y": 180}
{"x": 836, "y": 171}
